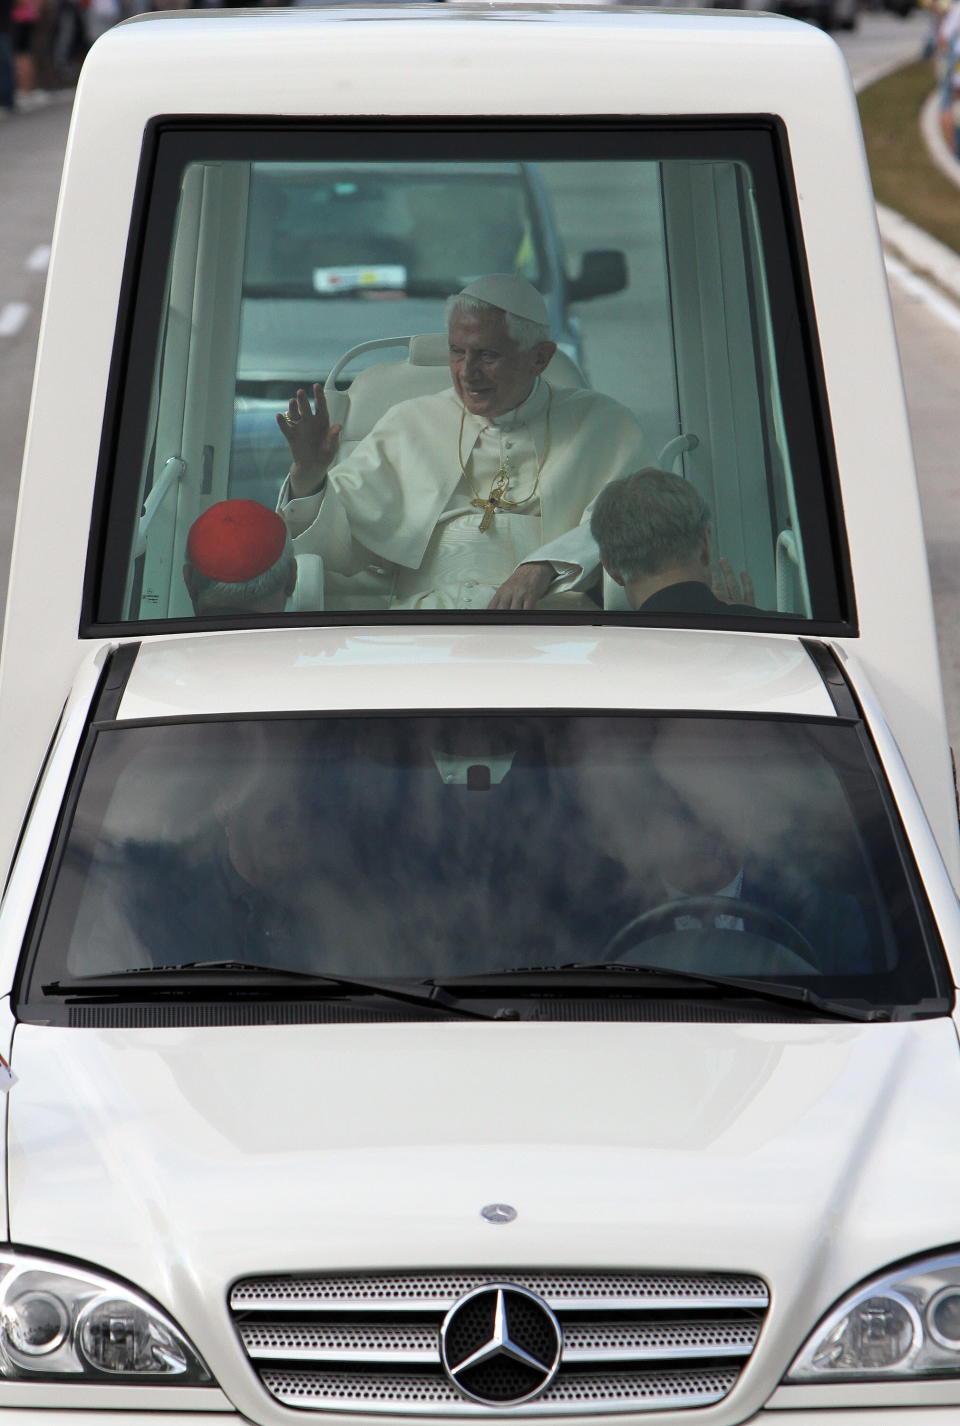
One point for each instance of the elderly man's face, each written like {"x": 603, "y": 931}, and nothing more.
{"x": 490, "y": 372}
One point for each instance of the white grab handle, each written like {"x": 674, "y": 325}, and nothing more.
{"x": 172, "y": 473}
{"x": 676, "y": 447}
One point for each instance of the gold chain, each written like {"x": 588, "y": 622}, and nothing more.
{"x": 501, "y": 482}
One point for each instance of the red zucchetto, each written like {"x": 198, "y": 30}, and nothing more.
{"x": 235, "y": 540}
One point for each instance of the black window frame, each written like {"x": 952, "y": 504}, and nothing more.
{"x": 758, "y": 140}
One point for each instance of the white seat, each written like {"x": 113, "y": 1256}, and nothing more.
{"x": 308, "y": 594}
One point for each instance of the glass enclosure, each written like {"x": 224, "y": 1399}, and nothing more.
{"x": 459, "y": 845}
{"x": 659, "y": 324}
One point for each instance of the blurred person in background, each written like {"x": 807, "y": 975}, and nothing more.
{"x": 25, "y": 16}
{"x": 6, "y": 57}
{"x": 100, "y": 16}
{"x": 948, "y": 73}
{"x": 936, "y": 9}
{"x": 68, "y": 40}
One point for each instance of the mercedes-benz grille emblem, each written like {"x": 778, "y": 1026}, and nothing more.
{"x": 500, "y": 1345}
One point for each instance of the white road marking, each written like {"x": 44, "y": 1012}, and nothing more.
{"x": 39, "y": 259}
{"x": 924, "y": 292}
{"x": 12, "y": 317}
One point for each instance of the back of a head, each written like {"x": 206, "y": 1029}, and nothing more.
{"x": 647, "y": 522}
{"x": 239, "y": 557}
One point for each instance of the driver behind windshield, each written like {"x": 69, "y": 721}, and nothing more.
{"x": 732, "y": 852}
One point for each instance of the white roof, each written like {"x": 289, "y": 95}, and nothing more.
{"x": 268, "y": 671}
{"x": 361, "y": 59}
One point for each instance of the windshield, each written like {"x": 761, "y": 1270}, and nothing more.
{"x": 620, "y": 302}
{"x": 451, "y": 846}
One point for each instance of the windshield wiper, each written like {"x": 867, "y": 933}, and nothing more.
{"x": 575, "y": 975}
{"x": 223, "y": 976}
{"x": 435, "y": 994}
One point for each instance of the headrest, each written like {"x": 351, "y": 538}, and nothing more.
{"x": 431, "y": 350}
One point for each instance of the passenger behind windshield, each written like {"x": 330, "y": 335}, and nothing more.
{"x": 229, "y": 883}
{"x": 652, "y": 530}
{"x": 474, "y": 497}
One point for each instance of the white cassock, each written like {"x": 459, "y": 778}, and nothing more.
{"x": 399, "y": 508}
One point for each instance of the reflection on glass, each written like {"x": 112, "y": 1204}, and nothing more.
{"x": 432, "y": 369}
{"x": 437, "y": 846}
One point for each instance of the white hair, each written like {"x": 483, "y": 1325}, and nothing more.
{"x": 247, "y": 591}
{"x": 521, "y": 330}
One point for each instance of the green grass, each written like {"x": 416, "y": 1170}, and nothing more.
{"x": 904, "y": 175}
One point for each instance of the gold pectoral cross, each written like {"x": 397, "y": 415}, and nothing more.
{"x": 495, "y": 501}
{"x": 489, "y": 508}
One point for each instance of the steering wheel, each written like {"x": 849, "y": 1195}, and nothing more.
{"x": 755, "y": 918}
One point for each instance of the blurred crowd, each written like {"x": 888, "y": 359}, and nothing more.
{"x": 41, "y": 45}
{"x": 43, "y": 42}
{"x": 943, "y": 50}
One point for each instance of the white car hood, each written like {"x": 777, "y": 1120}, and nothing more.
{"x": 182, "y": 1159}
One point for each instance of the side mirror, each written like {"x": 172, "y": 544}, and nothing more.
{"x": 602, "y": 271}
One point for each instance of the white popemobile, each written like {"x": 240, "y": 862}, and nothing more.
{"x": 472, "y": 1013}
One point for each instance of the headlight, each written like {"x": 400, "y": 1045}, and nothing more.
{"x": 906, "y": 1324}
{"x": 56, "y": 1321}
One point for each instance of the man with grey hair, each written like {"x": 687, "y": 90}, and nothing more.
{"x": 653, "y": 532}
{"x": 473, "y": 497}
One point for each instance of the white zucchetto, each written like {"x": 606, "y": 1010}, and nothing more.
{"x": 511, "y": 294}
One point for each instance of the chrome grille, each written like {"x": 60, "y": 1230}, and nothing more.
{"x": 631, "y": 1341}
{"x": 398, "y": 1291}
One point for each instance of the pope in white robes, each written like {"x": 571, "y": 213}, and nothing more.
{"x": 474, "y": 497}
